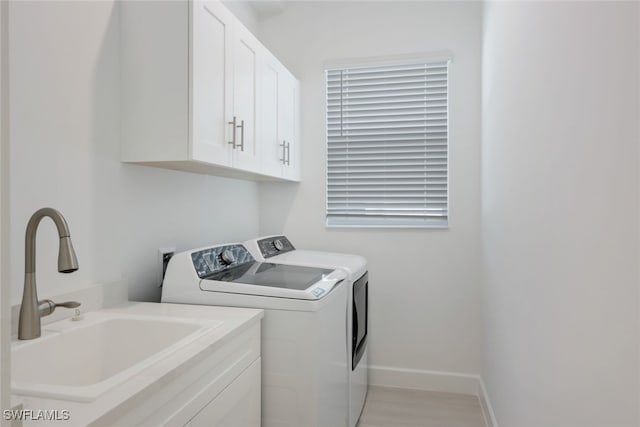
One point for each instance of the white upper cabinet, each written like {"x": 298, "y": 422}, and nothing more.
{"x": 279, "y": 120}
{"x": 211, "y": 83}
{"x": 192, "y": 88}
{"x": 288, "y": 108}
{"x": 270, "y": 73}
{"x": 246, "y": 49}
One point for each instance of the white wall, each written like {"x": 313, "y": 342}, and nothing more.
{"x": 425, "y": 295}
{"x": 5, "y": 313}
{"x": 244, "y": 12}
{"x": 560, "y": 213}
{"x": 65, "y": 154}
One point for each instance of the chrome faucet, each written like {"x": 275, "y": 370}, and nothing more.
{"x": 31, "y": 310}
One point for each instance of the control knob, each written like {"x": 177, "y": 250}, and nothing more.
{"x": 227, "y": 257}
{"x": 278, "y": 244}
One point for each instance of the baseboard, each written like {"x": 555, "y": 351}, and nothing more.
{"x": 485, "y": 404}
{"x": 445, "y": 382}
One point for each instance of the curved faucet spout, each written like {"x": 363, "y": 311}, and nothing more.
{"x": 67, "y": 261}
{"x": 30, "y": 313}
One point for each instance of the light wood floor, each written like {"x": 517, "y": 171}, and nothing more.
{"x": 395, "y": 407}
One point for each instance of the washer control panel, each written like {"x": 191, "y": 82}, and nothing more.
{"x": 214, "y": 260}
{"x": 276, "y": 245}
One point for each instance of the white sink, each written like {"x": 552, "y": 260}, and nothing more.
{"x": 82, "y": 360}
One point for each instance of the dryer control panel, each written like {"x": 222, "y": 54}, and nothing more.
{"x": 217, "y": 259}
{"x": 275, "y": 245}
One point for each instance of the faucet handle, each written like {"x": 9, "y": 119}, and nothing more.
{"x": 68, "y": 304}
{"x": 46, "y": 307}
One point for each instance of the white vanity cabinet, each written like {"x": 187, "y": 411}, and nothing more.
{"x": 209, "y": 375}
{"x": 191, "y": 87}
{"x": 278, "y": 119}
{"x": 238, "y": 405}
{"x": 221, "y": 389}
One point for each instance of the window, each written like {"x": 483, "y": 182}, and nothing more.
{"x": 387, "y": 141}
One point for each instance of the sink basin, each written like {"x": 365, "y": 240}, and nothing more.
{"x": 82, "y": 360}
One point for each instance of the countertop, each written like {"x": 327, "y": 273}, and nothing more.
{"x": 153, "y": 378}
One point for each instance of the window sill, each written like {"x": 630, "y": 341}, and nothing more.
{"x": 387, "y": 224}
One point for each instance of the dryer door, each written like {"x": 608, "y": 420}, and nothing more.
{"x": 360, "y": 318}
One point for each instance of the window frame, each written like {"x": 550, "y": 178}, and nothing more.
{"x": 398, "y": 222}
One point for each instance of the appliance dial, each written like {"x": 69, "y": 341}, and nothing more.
{"x": 227, "y": 257}
{"x": 278, "y": 244}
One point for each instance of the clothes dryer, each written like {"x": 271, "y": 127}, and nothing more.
{"x": 279, "y": 250}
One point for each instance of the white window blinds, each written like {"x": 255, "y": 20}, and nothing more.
{"x": 387, "y": 140}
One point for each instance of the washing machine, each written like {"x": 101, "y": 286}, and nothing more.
{"x": 280, "y": 250}
{"x": 304, "y": 379}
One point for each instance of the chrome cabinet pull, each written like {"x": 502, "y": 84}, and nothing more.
{"x": 288, "y": 153}
{"x": 241, "y": 126}
{"x": 284, "y": 151}
{"x": 233, "y": 132}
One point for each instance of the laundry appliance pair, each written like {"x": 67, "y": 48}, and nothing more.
{"x": 315, "y": 328}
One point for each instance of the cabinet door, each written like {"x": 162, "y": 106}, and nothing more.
{"x": 271, "y": 147}
{"x": 237, "y": 406}
{"x": 211, "y": 83}
{"x": 288, "y": 124}
{"x": 245, "y": 67}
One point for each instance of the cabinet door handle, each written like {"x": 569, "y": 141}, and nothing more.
{"x": 233, "y": 132}
{"x": 284, "y": 152}
{"x": 241, "y": 126}
{"x": 288, "y": 153}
